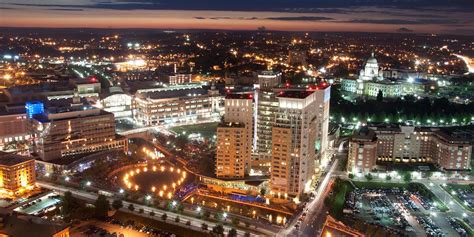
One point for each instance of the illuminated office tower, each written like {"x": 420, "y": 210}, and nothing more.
{"x": 267, "y": 104}
{"x": 298, "y": 120}
{"x": 235, "y": 137}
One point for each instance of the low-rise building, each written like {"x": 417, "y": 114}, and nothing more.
{"x": 13, "y": 127}
{"x": 176, "y": 105}
{"x": 362, "y": 154}
{"x": 17, "y": 174}
{"x": 73, "y": 129}
{"x": 12, "y": 224}
{"x": 448, "y": 148}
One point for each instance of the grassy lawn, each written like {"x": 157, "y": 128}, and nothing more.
{"x": 206, "y": 129}
{"x": 377, "y": 185}
{"x": 338, "y": 198}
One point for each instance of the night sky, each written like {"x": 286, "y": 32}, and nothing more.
{"x": 427, "y": 16}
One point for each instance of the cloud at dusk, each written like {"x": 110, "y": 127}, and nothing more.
{"x": 426, "y": 16}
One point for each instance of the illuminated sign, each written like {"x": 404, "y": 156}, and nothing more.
{"x": 33, "y": 108}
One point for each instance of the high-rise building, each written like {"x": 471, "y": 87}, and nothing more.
{"x": 266, "y": 106}
{"x": 293, "y": 142}
{"x": 17, "y": 174}
{"x": 73, "y": 129}
{"x": 235, "y": 137}
{"x": 232, "y": 150}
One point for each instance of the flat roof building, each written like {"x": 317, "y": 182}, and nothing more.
{"x": 73, "y": 129}
{"x": 17, "y": 174}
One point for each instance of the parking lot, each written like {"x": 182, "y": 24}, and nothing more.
{"x": 114, "y": 227}
{"x": 401, "y": 211}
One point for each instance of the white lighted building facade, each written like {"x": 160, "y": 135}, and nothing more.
{"x": 177, "y": 105}
{"x": 266, "y": 106}
{"x": 294, "y": 137}
{"x": 116, "y": 102}
{"x": 392, "y": 83}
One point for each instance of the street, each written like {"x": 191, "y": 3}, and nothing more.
{"x": 316, "y": 214}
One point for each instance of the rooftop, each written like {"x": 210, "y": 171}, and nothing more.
{"x": 364, "y": 134}
{"x": 239, "y": 96}
{"x": 294, "y": 94}
{"x": 37, "y": 88}
{"x": 173, "y": 93}
{"x": 21, "y": 225}
{"x": 9, "y": 159}
{"x": 231, "y": 125}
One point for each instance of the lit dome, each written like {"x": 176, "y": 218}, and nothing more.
{"x": 372, "y": 60}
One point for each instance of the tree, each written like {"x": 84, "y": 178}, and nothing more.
{"x": 369, "y": 176}
{"x": 156, "y": 203}
{"x": 117, "y": 204}
{"x": 204, "y": 226}
{"x": 232, "y": 233}
{"x": 180, "y": 208}
{"x": 131, "y": 207}
{"x": 218, "y": 230}
{"x": 407, "y": 177}
{"x": 141, "y": 210}
{"x": 247, "y": 234}
{"x": 68, "y": 203}
{"x": 164, "y": 217}
{"x": 388, "y": 177}
{"x": 152, "y": 213}
{"x": 235, "y": 221}
{"x": 177, "y": 219}
{"x": 188, "y": 223}
{"x": 207, "y": 214}
{"x": 351, "y": 176}
{"x": 380, "y": 96}
{"x": 263, "y": 191}
{"x": 102, "y": 206}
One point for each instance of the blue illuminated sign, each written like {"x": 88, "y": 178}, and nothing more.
{"x": 33, "y": 108}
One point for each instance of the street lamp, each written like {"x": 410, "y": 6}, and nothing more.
{"x": 67, "y": 178}
{"x": 174, "y": 203}
{"x": 88, "y": 183}
{"x": 121, "y": 190}
{"x": 225, "y": 215}
{"x": 198, "y": 209}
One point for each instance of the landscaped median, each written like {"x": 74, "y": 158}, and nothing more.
{"x": 453, "y": 190}
{"x": 412, "y": 187}
{"x": 336, "y": 200}
{"x": 469, "y": 230}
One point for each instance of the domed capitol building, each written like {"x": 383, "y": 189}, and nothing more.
{"x": 392, "y": 83}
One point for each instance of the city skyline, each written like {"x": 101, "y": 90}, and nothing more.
{"x": 420, "y": 16}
